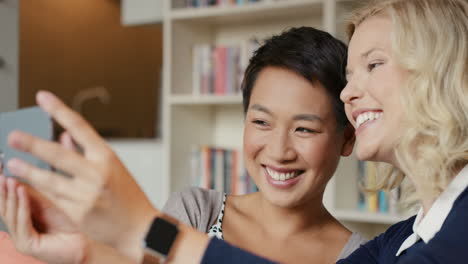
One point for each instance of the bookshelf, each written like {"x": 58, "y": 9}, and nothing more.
{"x": 196, "y": 120}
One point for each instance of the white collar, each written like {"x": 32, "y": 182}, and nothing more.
{"x": 425, "y": 227}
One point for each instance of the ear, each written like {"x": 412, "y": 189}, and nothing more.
{"x": 349, "y": 139}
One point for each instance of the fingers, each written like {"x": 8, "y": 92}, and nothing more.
{"x": 24, "y": 227}
{"x": 67, "y": 141}
{"x": 50, "y": 152}
{"x": 3, "y": 193}
{"x": 72, "y": 122}
{"x": 11, "y": 203}
{"x": 48, "y": 182}
{"x": 16, "y": 213}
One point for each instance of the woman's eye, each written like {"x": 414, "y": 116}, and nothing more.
{"x": 372, "y": 66}
{"x": 260, "y": 122}
{"x": 305, "y": 130}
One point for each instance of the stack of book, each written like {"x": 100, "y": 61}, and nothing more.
{"x": 375, "y": 202}
{"x": 203, "y": 3}
{"x": 219, "y": 70}
{"x": 220, "y": 169}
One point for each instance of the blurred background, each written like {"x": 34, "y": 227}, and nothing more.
{"x": 159, "y": 80}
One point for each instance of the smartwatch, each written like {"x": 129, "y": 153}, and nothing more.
{"x": 160, "y": 238}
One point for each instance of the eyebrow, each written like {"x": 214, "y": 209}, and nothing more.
{"x": 363, "y": 55}
{"x": 260, "y": 108}
{"x": 300, "y": 117}
{"x": 308, "y": 117}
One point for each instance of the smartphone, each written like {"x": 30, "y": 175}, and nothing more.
{"x": 32, "y": 120}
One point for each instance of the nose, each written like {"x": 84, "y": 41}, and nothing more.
{"x": 350, "y": 93}
{"x": 280, "y": 147}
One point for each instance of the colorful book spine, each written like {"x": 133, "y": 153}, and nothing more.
{"x": 219, "y": 69}
{"x": 205, "y": 3}
{"x": 379, "y": 201}
{"x": 220, "y": 169}
{"x": 219, "y": 176}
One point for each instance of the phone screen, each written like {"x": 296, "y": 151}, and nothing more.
{"x": 32, "y": 120}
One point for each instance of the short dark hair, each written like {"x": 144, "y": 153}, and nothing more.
{"x": 314, "y": 54}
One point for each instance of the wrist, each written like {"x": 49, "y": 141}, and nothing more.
{"x": 132, "y": 245}
{"x": 144, "y": 225}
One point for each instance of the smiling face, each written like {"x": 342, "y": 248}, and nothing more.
{"x": 291, "y": 142}
{"x": 372, "y": 95}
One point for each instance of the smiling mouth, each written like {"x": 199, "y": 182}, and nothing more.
{"x": 283, "y": 176}
{"x": 367, "y": 116}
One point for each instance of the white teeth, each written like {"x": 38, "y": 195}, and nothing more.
{"x": 367, "y": 116}
{"x": 281, "y": 176}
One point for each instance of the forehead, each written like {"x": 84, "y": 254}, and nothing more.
{"x": 372, "y": 33}
{"x": 284, "y": 90}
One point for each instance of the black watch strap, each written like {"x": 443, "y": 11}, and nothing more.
{"x": 161, "y": 237}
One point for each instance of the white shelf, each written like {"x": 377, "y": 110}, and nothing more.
{"x": 205, "y": 99}
{"x": 190, "y": 120}
{"x": 366, "y": 217}
{"x": 248, "y": 12}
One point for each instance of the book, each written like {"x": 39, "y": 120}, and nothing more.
{"x": 219, "y": 69}
{"x": 376, "y": 202}
{"x": 220, "y": 169}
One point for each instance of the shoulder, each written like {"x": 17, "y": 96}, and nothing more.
{"x": 354, "y": 242}
{"x": 454, "y": 228}
{"x": 196, "y": 207}
{"x": 194, "y": 197}
{"x": 462, "y": 201}
{"x": 401, "y": 229}
{"x": 449, "y": 244}
{"x": 384, "y": 246}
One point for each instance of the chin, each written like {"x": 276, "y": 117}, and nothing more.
{"x": 365, "y": 153}
{"x": 283, "y": 202}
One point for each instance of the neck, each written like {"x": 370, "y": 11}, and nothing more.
{"x": 426, "y": 199}
{"x": 282, "y": 221}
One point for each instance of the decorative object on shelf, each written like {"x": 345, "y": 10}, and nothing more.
{"x": 379, "y": 201}
{"x": 98, "y": 92}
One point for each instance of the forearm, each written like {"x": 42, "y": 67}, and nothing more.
{"x": 189, "y": 246}
{"x": 99, "y": 253}
{"x": 192, "y": 246}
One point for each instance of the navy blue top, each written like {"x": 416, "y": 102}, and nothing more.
{"x": 449, "y": 245}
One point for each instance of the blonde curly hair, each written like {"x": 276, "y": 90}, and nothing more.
{"x": 429, "y": 41}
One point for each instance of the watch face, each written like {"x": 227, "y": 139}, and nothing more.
{"x": 161, "y": 236}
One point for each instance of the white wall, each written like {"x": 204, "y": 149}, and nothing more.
{"x": 136, "y": 12}
{"x": 9, "y": 45}
{"x": 9, "y": 20}
{"x": 143, "y": 159}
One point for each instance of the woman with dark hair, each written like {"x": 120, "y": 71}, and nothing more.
{"x": 294, "y": 134}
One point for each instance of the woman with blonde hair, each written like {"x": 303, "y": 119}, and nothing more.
{"x": 407, "y": 97}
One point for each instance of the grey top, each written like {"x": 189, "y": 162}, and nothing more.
{"x": 200, "y": 209}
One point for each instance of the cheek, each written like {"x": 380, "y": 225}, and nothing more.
{"x": 383, "y": 85}
{"x": 349, "y": 113}
{"x": 253, "y": 141}
{"x": 315, "y": 152}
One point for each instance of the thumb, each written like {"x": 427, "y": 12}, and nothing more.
{"x": 24, "y": 229}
